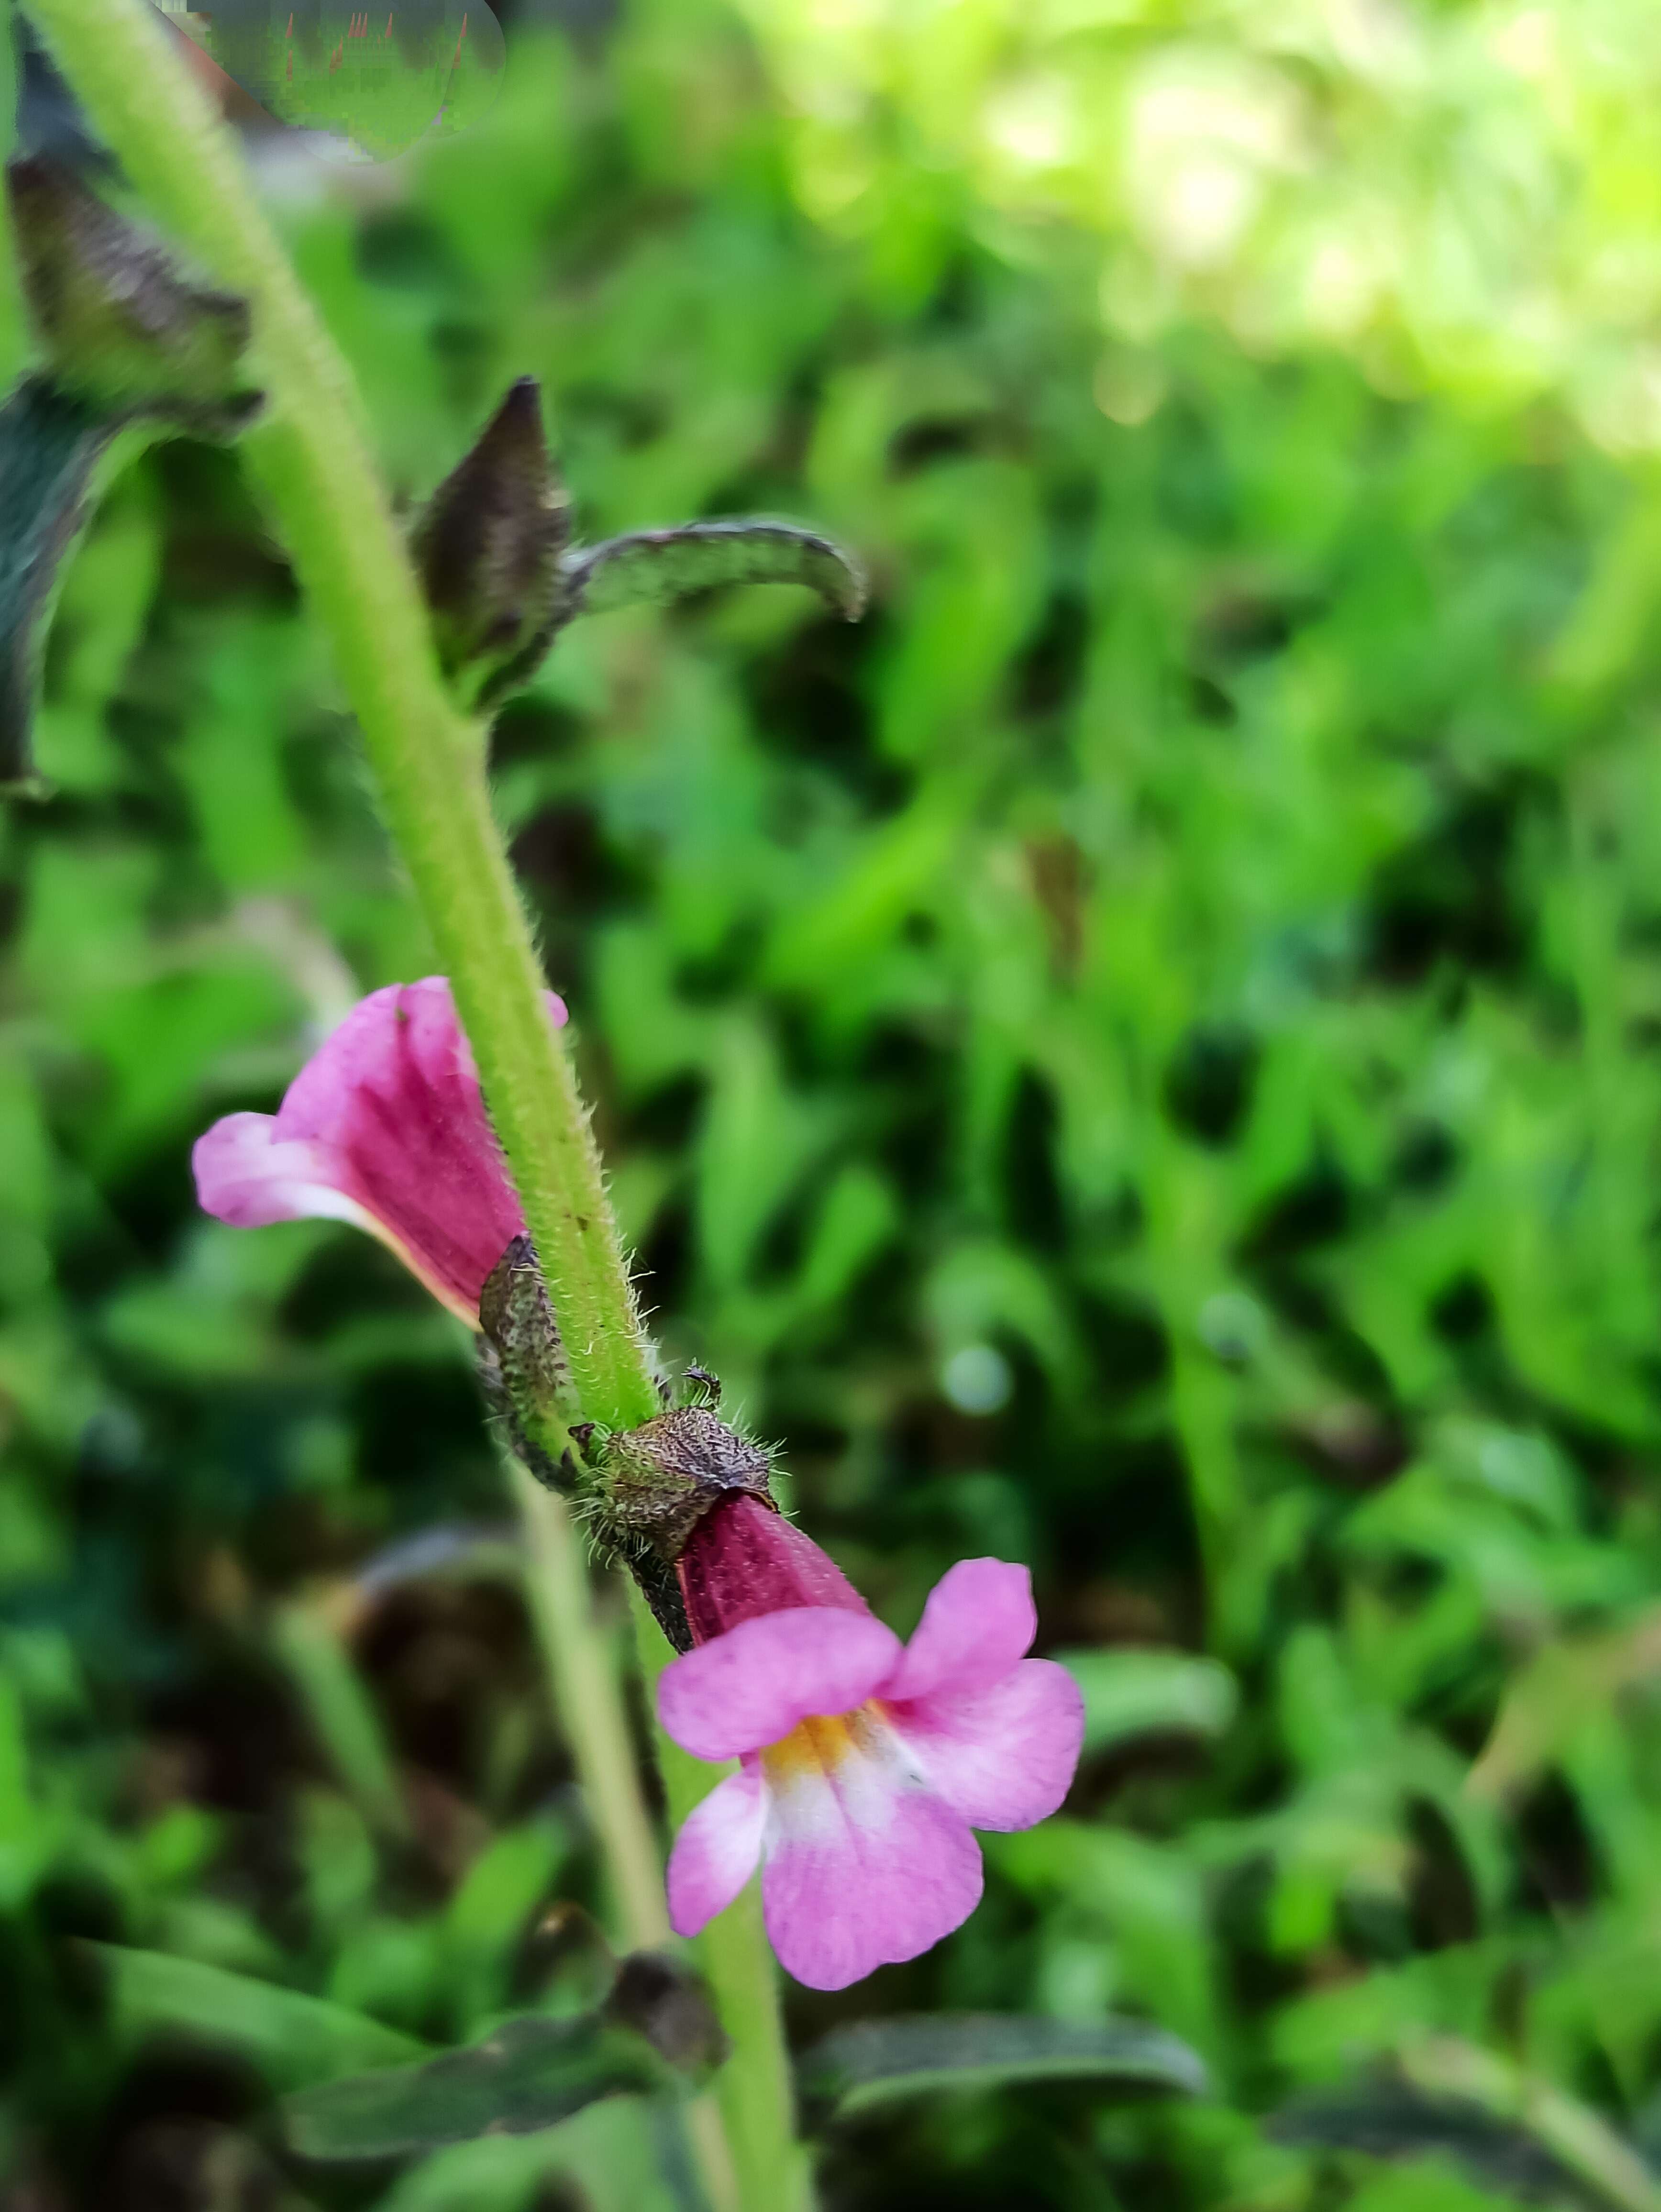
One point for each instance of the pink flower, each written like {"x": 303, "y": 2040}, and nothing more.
{"x": 865, "y": 1763}
{"x": 383, "y": 1127}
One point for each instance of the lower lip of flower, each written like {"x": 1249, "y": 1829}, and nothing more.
{"x": 852, "y": 1760}
{"x": 814, "y": 1749}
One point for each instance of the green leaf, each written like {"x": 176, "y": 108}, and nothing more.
{"x": 528, "y": 2073}
{"x": 1507, "y": 2126}
{"x": 1391, "y": 2120}
{"x": 50, "y": 446}
{"x": 1129, "y": 1693}
{"x": 1606, "y": 2168}
{"x": 294, "y": 2039}
{"x": 26, "y": 1829}
{"x": 878, "y": 2062}
{"x": 490, "y": 1910}
{"x": 693, "y": 556}
{"x": 341, "y": 1710}
{"x": 622, "y": 2154}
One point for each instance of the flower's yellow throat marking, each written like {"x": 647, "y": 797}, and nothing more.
{"x": 816, "y": 1746}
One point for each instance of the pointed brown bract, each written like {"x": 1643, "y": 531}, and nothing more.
{"x": 487, "y": 547}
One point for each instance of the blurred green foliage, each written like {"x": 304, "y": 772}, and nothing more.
{"x": 1141, "y": 1058}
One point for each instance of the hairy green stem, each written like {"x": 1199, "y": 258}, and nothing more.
{"x": 754, "y": 2085}
{"x": 589, "y": 1700}
{"x": 590, "y": 1705}
{"x": 312, "y": 457}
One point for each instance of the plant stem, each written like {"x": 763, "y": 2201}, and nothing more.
{"x": 1576, "y": 2134}
{"x": 589, "y": 1700}
{"x": 312, "y": 457}
{"x": 590, "y": 1705}
{"x": 310, "y": 454}
{"x": 754, "y": 2085}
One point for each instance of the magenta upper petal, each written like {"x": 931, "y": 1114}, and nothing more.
{"x": 716, "y": 1851}
{"x": 1004, "y": 1757}
{"x": 978, "y": 1622}
{"x": 862, "y": 1868}
{"x": 749, "y": 1687}
{"x": 742, "y": 1559}
{"x": 383, "y": 1126}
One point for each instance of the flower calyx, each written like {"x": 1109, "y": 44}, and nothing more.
{"x": 656, "y": 1486}
{"x": 644, "y": 1491}
{"x": 523, "y": 1369}
{"x": 661, "y": 1478}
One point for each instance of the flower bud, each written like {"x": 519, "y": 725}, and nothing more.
{"x": 487, "y": 547}
{"x": 661, "y": 1997}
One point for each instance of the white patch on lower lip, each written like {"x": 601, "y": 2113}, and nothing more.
{"x": 847, "y": 1772}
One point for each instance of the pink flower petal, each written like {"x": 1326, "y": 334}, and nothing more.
{"x": 385, "y": 1127}
{"x": 716, "y": 1851}
{"x": 861, "y": 1867}
{"x": 246, "y": 1176}
{"x": 750, "y": 1687}
{"x": 1003, "y": 1758}
{"x": 978, "y": 1622}
{"x": 742, "y": 1559}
